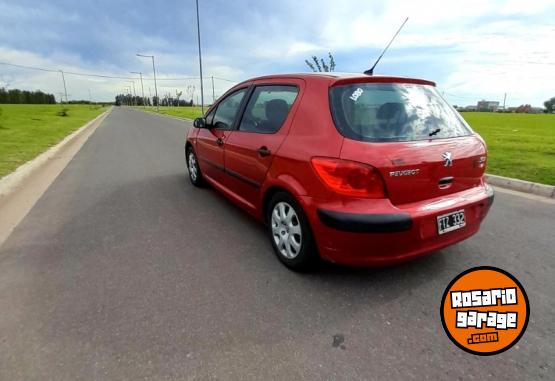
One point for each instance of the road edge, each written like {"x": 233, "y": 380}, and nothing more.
{"x": 164, "y": 115}
{"x": 522, "y": 186}
{"x": 14, "y": 179}
{"x": 21, "y": 189}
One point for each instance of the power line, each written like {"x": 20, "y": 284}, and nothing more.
{"x": 66, "y": 72}
{"x": 104, "y": 75}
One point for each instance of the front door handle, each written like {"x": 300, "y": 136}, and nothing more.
{"x": 264, "y": 151}
{"x": 220, "y": 142}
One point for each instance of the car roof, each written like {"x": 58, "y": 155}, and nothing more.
{"x": 338, "y": 78}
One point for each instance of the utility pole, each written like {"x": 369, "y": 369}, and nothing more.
{"x": 134, "y": 93}
{"x": 128, "y": 89}
{"x": 504, "y": 100}
{"x": 155, "y": 86}
{"x": 200, "y": 62}
{"x": 64, "y": 80}
{"x": 213, "y": 93}
{"x": 142, "y": 88}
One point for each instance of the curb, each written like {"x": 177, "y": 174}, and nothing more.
{"x": 13, "y": 180}
{"x": 521, "y": 185}
{"x": 165, "y": 115}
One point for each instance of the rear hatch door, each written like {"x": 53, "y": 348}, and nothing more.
{"x": 420, "y": 170}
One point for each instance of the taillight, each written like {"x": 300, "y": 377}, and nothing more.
{"x": 349, "y": 177}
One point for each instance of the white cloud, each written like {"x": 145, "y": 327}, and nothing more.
{"x": 483, "y": 48}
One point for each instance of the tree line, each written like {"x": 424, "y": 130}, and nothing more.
{"x": 24, "y": 96}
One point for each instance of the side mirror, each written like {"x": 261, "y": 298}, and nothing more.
{"x": 199, "y": 123}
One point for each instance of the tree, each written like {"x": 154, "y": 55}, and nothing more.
{"x": 526, "y": 108}
{"x": 321, "y": 66}
{"x": 550, "y": 105}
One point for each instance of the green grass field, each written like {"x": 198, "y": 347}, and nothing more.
{"x": 519, "y": 145}
{"x": 28, "y": 130}
{"x": 181, "y": 112}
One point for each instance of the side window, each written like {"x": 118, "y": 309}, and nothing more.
{"x": 210, "y": 117}
{"x": 268, "y": 108}
{"x": 227, "y": 110}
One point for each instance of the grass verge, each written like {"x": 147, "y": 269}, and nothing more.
{"x": 180, "y": 112}
{"x": 28, "y": 130}
{"x": 521, "y": 146}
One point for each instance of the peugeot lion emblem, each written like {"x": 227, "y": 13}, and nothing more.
{"x": 447, "y": 160}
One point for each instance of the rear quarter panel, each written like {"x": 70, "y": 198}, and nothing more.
{"x": 312, "y": 133}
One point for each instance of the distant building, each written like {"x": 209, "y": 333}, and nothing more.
{"x": 484, "y": 105}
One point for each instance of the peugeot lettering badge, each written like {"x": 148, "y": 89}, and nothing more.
{"x": 447, "y": 159}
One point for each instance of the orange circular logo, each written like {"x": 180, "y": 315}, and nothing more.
{"x": 485, "y": 310}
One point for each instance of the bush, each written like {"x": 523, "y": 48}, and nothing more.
{"x": 63, "y": 112}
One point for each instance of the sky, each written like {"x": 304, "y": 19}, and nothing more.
{"x": 472, "y": 49}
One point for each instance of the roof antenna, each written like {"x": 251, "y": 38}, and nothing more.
{"x": 371, "y": 70}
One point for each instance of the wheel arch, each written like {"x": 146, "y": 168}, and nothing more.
{"x": 286, "y": 184}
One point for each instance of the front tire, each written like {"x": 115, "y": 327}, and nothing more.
{"x": 194, "y": 170}
{"x": 290, "y": 233}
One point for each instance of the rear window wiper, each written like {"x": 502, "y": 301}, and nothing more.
{"x": 434, "y": 132}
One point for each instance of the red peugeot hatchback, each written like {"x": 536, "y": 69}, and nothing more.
{"x": 355, "y": 169}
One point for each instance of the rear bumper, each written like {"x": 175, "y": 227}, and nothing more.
{"x": 366, "y": 223}
{"x": 375, "y": 232}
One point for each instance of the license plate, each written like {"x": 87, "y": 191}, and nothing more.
{"x": 450, "y": 221}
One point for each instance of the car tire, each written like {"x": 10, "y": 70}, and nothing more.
{"x": 195, "y": 175}
{"x": 290, "y": 233}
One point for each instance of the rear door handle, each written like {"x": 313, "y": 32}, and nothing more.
{"x": 264, "y": 151}
{"x": 220, "y": 142}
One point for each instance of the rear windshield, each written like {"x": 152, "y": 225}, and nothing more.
{"x": 394, "y": 112}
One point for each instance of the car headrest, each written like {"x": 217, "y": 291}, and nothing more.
{"x": 391, "y": 110}
{"x": 276, "y": 110}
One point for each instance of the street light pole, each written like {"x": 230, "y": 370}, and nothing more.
{"x": 155, "y": 86}
{"x": 200, "y": 62}
{"x": 134, "y": 93}
{"x": 142, "y": 88}
{"x": 128, "y": 89}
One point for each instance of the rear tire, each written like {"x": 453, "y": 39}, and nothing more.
{"x": 290, "y": 233}
{"x": 192, "y": 166}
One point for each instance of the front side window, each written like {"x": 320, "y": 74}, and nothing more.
{"x": 227, "y": 110}
{"x": 394, "y": 112}
{"x": 210, "y": 117}
{"x": 268, "y": 108}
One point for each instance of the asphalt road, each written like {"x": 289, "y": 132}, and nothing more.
{"x": 123, "y": 270}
